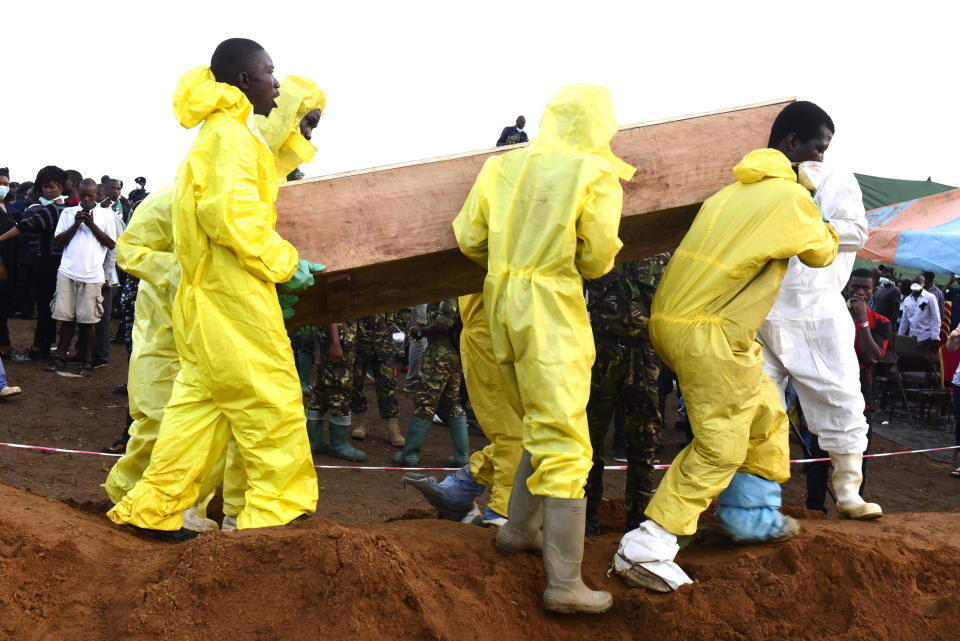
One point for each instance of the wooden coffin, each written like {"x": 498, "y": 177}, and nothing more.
{"x": 385, "y": 234}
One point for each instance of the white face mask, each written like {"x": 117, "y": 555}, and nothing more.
{"x": 4, "y": 190}
{"x": 810, "y": 174}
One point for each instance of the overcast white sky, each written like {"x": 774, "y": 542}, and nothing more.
{"x": 89, "y": 85}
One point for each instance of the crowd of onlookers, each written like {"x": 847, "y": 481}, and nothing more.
{"x": 58, "y": 237}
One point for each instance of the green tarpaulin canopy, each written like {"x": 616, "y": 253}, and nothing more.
{"x": 880, "y": 192}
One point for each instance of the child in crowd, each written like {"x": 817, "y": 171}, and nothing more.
{"x": 85, "y": 232}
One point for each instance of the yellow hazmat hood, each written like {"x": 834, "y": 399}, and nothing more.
{"x": 582, "y": 116}
{"x": 298, "y": 97}
{"x": 198, "y": 95}
{"x": 764, "y": 163}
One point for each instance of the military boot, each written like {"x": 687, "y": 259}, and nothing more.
{"x": 359, "y": 429}
{"x": 393, "y": 436}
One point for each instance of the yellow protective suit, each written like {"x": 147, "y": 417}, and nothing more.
{"x": 715, "y": 293}
{"x": 237, "y": 375}
{"x": 538, "y": 219}
{"x": 281, "y": 129}
{"x": 145, "y": 250}
{"x": 494, "y": 465}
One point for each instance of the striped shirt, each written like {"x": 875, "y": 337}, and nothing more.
{"x": 38, "y": 225}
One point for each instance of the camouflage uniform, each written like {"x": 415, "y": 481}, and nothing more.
{"x": 625, "y": 370}
{"x": 440, "y": 371}
{"x": 333, "y": 381}
{"x": 374, "y": 348}
{"x": 650, "y": 270}
{"x": 128, "y": 301}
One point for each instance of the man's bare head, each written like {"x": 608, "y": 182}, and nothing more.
{"x": 247, "y": 66}
{"x": 802, "y": 131}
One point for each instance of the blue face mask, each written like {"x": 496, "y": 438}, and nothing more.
{"x": 45, "y": 202}
{"x": 520, "y": 129}
{"x": 4, "y": 190}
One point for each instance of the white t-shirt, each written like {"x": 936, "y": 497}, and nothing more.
{"x": 83, "y": 256}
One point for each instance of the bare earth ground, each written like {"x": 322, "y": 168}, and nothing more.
{"x": 377, "y": 565}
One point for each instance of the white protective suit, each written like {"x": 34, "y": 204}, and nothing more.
{"x": 808, "y": 335}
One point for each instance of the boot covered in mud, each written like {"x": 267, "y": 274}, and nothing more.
{"x": 452, "y": 497}
{"x": 563, "y": 523}
{"x": 522, "y": 530}
{"x": 393, "y": 435}
{"x": 340, "y": 440}
{"x": 645, "y": 559}
{"x": 416, "y": 434}
{"x": 318, "y": 444}
{"x": 461, "y": 442}
{"x": 847, "y": 478}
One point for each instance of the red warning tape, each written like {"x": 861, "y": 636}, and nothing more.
{"x": 385, "y": 468}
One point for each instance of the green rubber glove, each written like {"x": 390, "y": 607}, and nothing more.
{"x": 302, "y": 279}
{"x": 287, "y": 301}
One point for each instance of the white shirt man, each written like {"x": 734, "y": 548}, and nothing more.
{"x": 921, "y": 316}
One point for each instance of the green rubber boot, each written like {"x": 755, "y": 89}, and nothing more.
{"x": 461, "y": 442}
{"x": 304, "y": 361}
{"x": 318, "y": 444}
{"x": 416, "y": 433}
{"x": 340, "y": 440}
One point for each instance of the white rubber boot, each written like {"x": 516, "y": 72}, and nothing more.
{"x": 522, "y": 531}
{"x": 196, "y": 523}
{"x": 847, "y": 477}
{"x": 563, "y": 523}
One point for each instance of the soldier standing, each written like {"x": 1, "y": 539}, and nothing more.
{"x": 335, "y": 358}
{"x": 440, "y": 391}
{"x": 374, "y": 349}
{"x": 625, "y": 371}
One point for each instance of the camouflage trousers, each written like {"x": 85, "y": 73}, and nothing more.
{"x": 627, "y": 375}
{"x": 378, "y": 358}
{"x": 333, "y": 382}
{"x": 440, "y": 381}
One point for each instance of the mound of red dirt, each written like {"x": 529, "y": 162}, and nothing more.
{"x": 66, "y": 574}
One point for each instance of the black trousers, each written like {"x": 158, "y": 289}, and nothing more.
{"x": 6, "y": 308}
{"x": 24, "y": 294}
{"x": 45, "y": 285}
